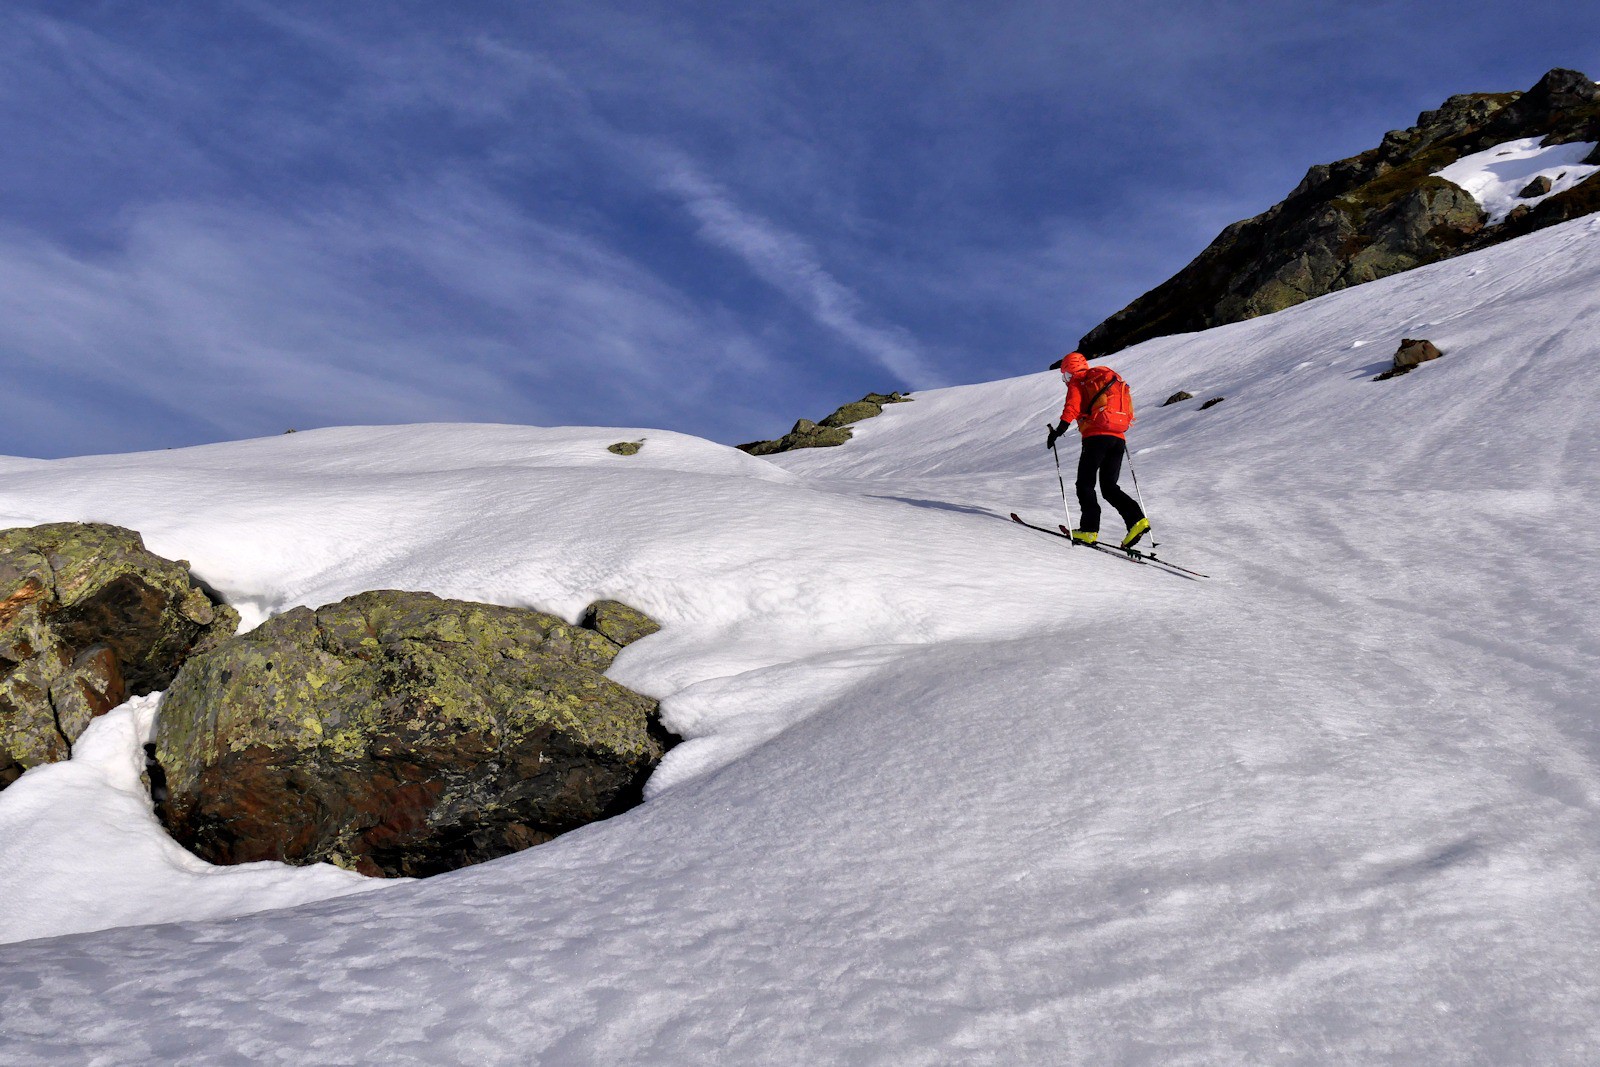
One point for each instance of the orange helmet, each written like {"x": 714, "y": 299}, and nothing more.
{"x": 1074, "y": 364}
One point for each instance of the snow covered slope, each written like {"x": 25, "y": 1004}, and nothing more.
{"x": 1497, "y": 176}
{"x": 956, "y": 792}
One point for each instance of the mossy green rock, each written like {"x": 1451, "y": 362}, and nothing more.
{"x": 625, "y": 448}
{"x": 831, "y": 431}
{"x": 856, "y": 412}
{"x": 400, "y": 734}
{"x": 88, "y": 618}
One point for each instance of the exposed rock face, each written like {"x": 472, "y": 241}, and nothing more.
{"x": 1177, "y": 398}
{"x": 401, "y": 734}
{"x": 88, "y": 618}
{"x": 625, "y": 448}
{"x": 1213, "y": 402}
{"x": 1367, "y": 217}
{"x": 831, "y": 431}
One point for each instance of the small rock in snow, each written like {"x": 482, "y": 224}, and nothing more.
{"x": 1538, "y": 187}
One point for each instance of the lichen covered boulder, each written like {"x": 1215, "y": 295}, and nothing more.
{"x": 88, "y": 618}
{"x": 397, "y": 733}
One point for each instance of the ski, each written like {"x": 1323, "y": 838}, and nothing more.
{"x": 1019, "y": 520}
{"x": 1131, "y": 553}
{"x": 1062, "y": 532}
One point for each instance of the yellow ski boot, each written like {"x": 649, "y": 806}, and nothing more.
{"x": 1138, "y": 530}
{"x": 1085, "y": 537}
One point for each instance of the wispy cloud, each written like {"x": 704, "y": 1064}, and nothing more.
{"x": 299, "y": 272}
{"x": 421, "y": 295}
{"x": 444, "y": 303}
{"x": 789, "y": 264}
{"x": 780, "y": 257}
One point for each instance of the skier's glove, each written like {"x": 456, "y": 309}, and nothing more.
{"x": 1055, "y": 432}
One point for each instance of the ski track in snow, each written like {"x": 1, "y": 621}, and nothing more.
{"x": 952, "y": 791}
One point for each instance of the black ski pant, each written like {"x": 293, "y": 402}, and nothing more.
{"x": 1101, "y": 459}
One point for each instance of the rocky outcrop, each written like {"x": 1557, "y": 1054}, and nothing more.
{"x": 400, "y": 734}
{"x": 625, "y": 448}
{"x": 88, "y": 618}
{"x": 1369, "y": 216}
{"x": 805, "y": 434}
{"x": 831, "y": 431}
{"x": 1177, "y": 398}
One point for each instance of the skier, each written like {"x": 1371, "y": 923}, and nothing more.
{"x": 1099, "y": 401}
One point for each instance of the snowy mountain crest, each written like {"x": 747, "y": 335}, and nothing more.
{"x": 1480, "y": 169}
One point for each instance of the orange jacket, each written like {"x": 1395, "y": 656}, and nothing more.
{"x": 1081, "y": 390}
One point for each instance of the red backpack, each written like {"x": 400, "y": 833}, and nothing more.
{"x": 1112, "y": 407}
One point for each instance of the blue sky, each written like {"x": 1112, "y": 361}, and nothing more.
{"x": 222, "y": 220}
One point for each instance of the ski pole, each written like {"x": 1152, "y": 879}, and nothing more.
{"x": 1137, "y": 494}
{"x": 1063, "y": 484}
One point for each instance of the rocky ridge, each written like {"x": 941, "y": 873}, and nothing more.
{"x": 831, "y": 431}
{"x": 1370, "y": 216}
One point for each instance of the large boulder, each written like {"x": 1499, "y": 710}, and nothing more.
{"x": 88, "y": 618}
{"x": 396, "y": 733}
